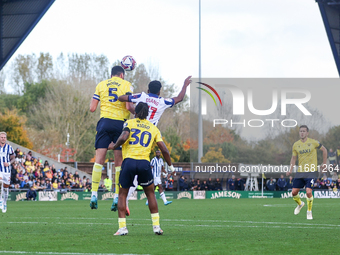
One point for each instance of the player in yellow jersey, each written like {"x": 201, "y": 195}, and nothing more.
{"x": 137, "y": 138}
{"x": 306, "y": 151}
{"x": 113, "y": 114}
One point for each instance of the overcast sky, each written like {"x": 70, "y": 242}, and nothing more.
{"x": 263, "y": 38}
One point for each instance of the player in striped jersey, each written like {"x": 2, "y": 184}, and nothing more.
{"x": 113, "y": 114}
{"x": 157, "y": 167}
{"x": 157, "y": 105}
{"x": 306, "y": 151}
{"x": 7, "y": 157}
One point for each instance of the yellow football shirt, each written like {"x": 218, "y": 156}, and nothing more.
{"x": 142, "y": 135}
{"x": 307, "y": 154}
{"x": 107, "y": 92}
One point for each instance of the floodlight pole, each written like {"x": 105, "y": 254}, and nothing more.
{"x": 200, "y": 122}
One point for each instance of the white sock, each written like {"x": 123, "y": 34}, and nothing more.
{"x": 5, "y": 195}
{"x": 95, "y": 193}
{"x": 163, "y": 197}
{"x": 1, "y": 193}
{"x": 115, "y": 195}
{"x": 131, "y": 190}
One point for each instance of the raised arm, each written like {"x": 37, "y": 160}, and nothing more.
{"x": 181, "y": 94}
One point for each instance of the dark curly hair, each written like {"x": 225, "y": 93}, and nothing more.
{"x": 142, "y": 110}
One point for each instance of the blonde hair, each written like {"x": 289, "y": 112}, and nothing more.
{"x": 3, "y": 133}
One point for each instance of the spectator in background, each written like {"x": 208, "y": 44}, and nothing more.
{"x": 169, "y": 183}
{"x": 186, "y": 185}
{"x": 328, "y": 185}
{"x": 49, "y": 175}
{"x": 240, "y": 184}
{"x": 107, "y": 183}
{"x": 334, "y": 177}
{"x": 332, "y": 157}
{"x": 204, "y": 185}
{"x": 55, "y": 184}
{"x": 232, "y": 183}
{"x": 181, "y": 183}
{"x": 31, "y": 194}
{"x": 198, "y": 184}
{"x": 281, "y": 183}
{"x": 210, "y": 184}
{"x": 76, "y": 175}
{"x": 48, "y": 185}
{"x": 218, "y": 184}
{"x": 271, "y": 184}
{"x": 338, "y": 184}
{"x": 338, "y": 155}
{"x": 192, "y": 185}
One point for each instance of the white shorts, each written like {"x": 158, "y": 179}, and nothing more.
{"x": 5, "y": 178}
{"x": 157, "y": 180}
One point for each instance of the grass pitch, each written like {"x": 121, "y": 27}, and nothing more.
{"x": 220, "y": 226}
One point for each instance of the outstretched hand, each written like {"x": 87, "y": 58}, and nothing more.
{"x": 187, "y": 81}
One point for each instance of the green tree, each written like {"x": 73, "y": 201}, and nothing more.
{"x": 44, "y": 68}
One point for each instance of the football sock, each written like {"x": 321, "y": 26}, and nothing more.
{"x": 5, "y": 195}
{"x": 297, "y": 199}
{"x": 163, "y": 197}
{"x": 122, "y": 222}
{"x": 309, "y": 203}
{"x": 155, "y": 219}
{"x": 2, "y": 192}
{"x": 96, "y": 176}
{"x": 131, "y": 190}
{"x": 117, "y": 179}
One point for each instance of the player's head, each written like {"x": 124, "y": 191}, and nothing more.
{"x": 142, "y": 110}
{"x": 155, "y": 87}
{"x": 303, "y": 131}
{"x": 158, "y": 154}
{"x": 118, "y": 71}
{"x": 3, "y": 137}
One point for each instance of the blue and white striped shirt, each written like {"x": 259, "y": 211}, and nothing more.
{"x": 5, "y": 153}
{"x": 156, "y": 166}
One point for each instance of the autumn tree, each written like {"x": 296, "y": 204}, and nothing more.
{"x": 214, "y": 156}
{"x": 14, "y": 126}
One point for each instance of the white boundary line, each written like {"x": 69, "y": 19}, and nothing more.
{"x": 174, "y": 220}
{"x": 62, "y": 253}
{"x": 270, "y": 224}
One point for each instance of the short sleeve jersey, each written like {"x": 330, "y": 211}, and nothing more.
{"x": 307, "y": 154}
{"x": 142, "y": 135}
{"x": 157, "y": 105}
{"x": 107, "y": 92}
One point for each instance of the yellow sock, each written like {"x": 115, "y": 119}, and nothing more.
{"x": 117, "y": 179}
{"x": 96, "y": 176}
{"x": 155, "y": 219}
{"x": 309, "y": 203}
{"x": 122, "y": 222}
{"x": 297, "y": 199}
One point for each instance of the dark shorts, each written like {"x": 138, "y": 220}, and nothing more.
{"x": 132, "y": 167}
{"x": 108, "y": 131}
{"x": 306, "y": 179}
